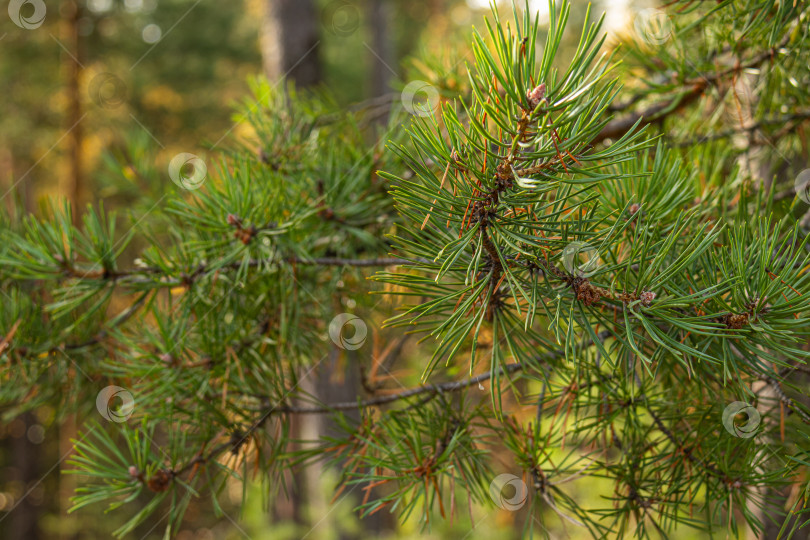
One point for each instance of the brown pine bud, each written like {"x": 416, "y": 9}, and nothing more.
{"x": 160, "y": 481}
{"x": 736, "y": 321}
{"x": 536, "y": 95}
{"x": 647, "y": 298}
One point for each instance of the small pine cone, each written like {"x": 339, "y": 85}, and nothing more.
{"x": 536, "y": 95}
{"x": 646, "y": 298}
{"x": 245, "y": 235}
{"x": 736, "y": 321}
{"x": 586, "y": 292}
{"x": 160, "y": 481}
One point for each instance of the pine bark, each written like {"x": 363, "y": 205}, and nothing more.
{"x": 290, "y": 40}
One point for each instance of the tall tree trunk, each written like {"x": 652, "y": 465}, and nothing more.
{"x": 783, "y": 498}
{"x": 340, "y": 381}
{"x": 25, "y": 457}
{"x": 67, "y": 482}
{"x": 72, "y": 15}
{"x": 7, "y": 178}
{"x": 289, "y": 44}
{"x": 382, "y": 59}
{"x": 289, "y": 41}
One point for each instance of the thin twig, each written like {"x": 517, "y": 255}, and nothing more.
{"x": 430, "y": 390}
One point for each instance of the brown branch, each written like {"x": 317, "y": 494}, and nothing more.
{"x": 616, "y": 128}
{"x": 187, "y": 278}
{"x": 336, "y": 261}
{"x": 683, "y": 448}
{"x": 434, "y": 389}
{"x": 428, "y": 390}
{"x": 24, "y": 351}
{"x": 749, "y": 128}
{"x": 786, "y": 400}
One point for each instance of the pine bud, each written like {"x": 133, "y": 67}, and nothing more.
{"x": 536, "y": 96}
{"x": 160, "y": 481}
{"x": 646, "y": 298}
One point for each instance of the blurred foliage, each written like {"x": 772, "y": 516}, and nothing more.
{"x": 604, "y": 391}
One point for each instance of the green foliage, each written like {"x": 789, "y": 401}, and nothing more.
{"x": 622, "y": 284}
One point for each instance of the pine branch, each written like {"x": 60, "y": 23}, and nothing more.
{"x": 431, "y": 390}
{"x": 791, "y": 121}
{"x": 694, "y": 89}
{"x": 24, "y": 351}
{"x": 787, "y": 401}
{"x": 683, "y": 449}
{"x": 139, "y": 275}
{"x": 691, "y": 294}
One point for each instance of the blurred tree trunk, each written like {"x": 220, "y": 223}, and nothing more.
{"x": 289, "y": 41}
{"x": 7, "y": 178}
{"x": 72, "y": 13}
{"x": 382, "y": 59}
{"x": 25, "y": 516}
{"x": 339, "y": 381}
{"x": 67, "y": 482}
{"x": 289, "y": 505}
{"x": 289, "y": 46}
{"x": 332, "y": 383}
{"x": 784, "y": 498}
